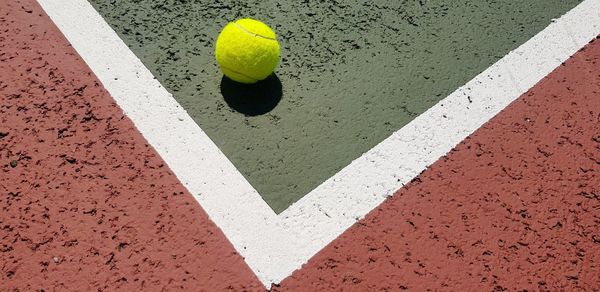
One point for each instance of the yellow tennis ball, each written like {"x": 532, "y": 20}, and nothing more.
{"x": 247, "y": 50}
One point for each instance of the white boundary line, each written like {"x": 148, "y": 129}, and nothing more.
{"x": 276, "y": 245}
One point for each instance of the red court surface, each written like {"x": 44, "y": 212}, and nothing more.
{"x": 86, "y": 203}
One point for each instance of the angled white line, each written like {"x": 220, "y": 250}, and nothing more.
{"x": 276, "y": 245}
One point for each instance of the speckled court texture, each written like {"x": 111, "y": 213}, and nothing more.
{"x": 86, "y": 204}
{"x": 352, "y": 73}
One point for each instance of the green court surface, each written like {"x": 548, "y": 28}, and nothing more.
{"x": 352, "y": 73}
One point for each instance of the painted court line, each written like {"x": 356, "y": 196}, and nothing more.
{"x": 275, "y": 245}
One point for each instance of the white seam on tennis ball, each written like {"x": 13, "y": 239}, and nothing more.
{"x": 237, "y": 72}
{"x": 251, "y": 33}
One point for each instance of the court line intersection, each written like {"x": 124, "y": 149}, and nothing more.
{"x": 274, "y": 245}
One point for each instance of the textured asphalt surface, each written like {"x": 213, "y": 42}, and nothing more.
{"x": 87, "y": 205}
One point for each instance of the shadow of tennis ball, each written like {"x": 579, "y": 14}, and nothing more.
{"x": 252, "y": 99}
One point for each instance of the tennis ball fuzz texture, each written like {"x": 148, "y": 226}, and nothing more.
{"x": 247, "y": 50}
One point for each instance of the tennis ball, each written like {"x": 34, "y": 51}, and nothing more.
{"x": 247, "y": 50}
